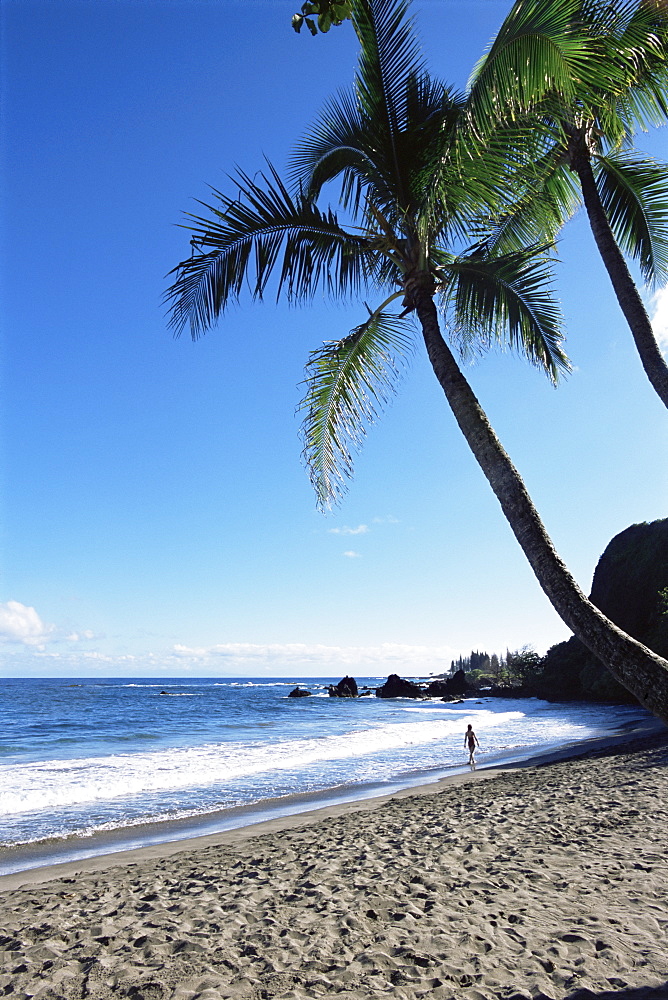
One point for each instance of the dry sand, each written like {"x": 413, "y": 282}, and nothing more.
{"x": 546, "y": 881}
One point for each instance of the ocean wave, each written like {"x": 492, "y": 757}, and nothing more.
{"x": 62, "y": 783}
{"x": 258, "y": 684}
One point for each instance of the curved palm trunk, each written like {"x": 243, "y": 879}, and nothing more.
{"x": 627, "y": 294}
{"x": 636, "y": 667}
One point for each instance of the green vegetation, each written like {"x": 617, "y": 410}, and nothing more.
{"x": 518, "y": 669}
{"x": 579, "y": 79}
{"x": 663, "y": 601}
{"x": 320, "y": 15}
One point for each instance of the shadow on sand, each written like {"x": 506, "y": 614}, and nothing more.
{"x": 630, "y": 993}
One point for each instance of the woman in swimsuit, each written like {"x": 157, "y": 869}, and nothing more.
{"x": 471, "y": 739}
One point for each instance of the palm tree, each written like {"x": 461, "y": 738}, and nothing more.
{"x": 585, "y": 76}
{"x": 385, "y": 141}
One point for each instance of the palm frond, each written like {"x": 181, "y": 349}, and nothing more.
{"x": 632, "y": 92}
{"x": 343, "y": 144}
{"x": 264, "y": 232}
{"x": 538, "y": 50}
{"x": 463, "y": 177}
{"x": 389, "y": 56}
{"x": 638, "y": 36}
{"x": 336, "y": 145}
{"x": 546, "y": 195}
{"x": 634, "y": 194}
{"x": 430, "y": 134}
{"x": 508, "y": 300}
{"x": 347, "y": 382}
{"x": 645, "y": 104}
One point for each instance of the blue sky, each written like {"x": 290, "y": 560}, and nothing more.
{"x": 156, "y": 517}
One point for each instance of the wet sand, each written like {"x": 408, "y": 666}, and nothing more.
{"x": 541, "y": 881}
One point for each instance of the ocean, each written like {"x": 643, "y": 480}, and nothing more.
{"x": 91, "y": 766}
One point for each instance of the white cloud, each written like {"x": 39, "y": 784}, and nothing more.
{"x": 80, "y": 636}
{"x": 659, "y": 317}
{"x": 389, "y": 519}
{"x": 361, "y": 529}
{"x": 234, "y": 659}
{"x": 351, "y": 554}
{"x": 299, "y": 658}
{"x": 19, "y": 623}
{"x": 109, "y": 657}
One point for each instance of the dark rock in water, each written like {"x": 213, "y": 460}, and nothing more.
{"x": 346, "y": 688}
{"x": 398, "y": 687}
{"x": 511, "y": 691}
{"x": 629, "y": 586}
{"x": 299, "y": 693}
{"x": 457, "y": 684}
{"x": 163, "y": 692}
{"x": 450, "y": 688}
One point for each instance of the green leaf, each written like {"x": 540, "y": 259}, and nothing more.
{"x": 347, "y": 382}
{"x": 507, "y": 300}
{"x": 537, "y": 50}
{"x": 297, "y": 22}
{"x": 262, "y": 233}
{"x": 634, "y": 194}
{"x": 340, "y": 11}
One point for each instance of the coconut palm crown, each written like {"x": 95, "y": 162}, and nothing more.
{"x": 584, "y": 77}
{"x": 411, "y": 185}
{"x": 384, "y": 141}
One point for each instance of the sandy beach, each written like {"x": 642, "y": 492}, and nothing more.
{"x": 543, "y": 881}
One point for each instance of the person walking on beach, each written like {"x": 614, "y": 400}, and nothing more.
{"x": 471, "y": 739}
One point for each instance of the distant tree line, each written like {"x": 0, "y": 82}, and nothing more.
{"x": 518, "y": 668}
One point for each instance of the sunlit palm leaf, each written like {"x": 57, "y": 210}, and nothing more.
{"x": 605, "y": 61}
{"x": 507, "y": 299}
{"x": 644, "y": 107}
{"x": 638, "y": 44}
{"x": 468, "y": 177}
{"x": 547, "y": 194}
{"x": 264, "y": 232}
{"x": 537, "y": 51}
{"x": 634, "y": 194}
{"x": 347, "y": 382}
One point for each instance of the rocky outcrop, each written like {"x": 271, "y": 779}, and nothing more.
{"x": 299, "y": 693}
{"x": 511, "y": 691}
{"x": 450, "y": 687}
{"x": 346, "y": 688}
{"x": 628, "y": 583}
{"x": 398, "y": 687}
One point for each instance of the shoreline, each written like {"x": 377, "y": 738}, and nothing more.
{"x": 544, "y": 881}
{"x": 343, "y": 805}
{"x": 120, "y": 797}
